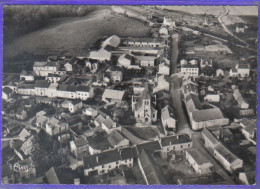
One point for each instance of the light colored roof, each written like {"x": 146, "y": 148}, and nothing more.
{"x": 197, "y": 156}
{"x": 24, "y": 133}
{"x": 113, "y": 94}
{"x": 53, "y": 86}
{"x": 207, "y": 114}
{"x": 99, "y": 55}
{"x": 145, "y": 58}
{"x": 113, "y": 41}
{"x": 39, "y": 64}
{"x": 168, "y": 112}
{"x": 144, "y": 40}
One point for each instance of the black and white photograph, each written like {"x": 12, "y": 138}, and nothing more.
{"x": 129, "y": 95}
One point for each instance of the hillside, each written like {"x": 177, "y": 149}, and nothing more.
{"x": 73, "y": 36}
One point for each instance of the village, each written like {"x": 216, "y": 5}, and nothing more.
{"x": 151, "y": 111}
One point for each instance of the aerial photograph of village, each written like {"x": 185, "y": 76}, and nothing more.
{"x": 129, "y": 95}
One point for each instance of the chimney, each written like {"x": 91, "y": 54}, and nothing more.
{"x": 97, "y": 159}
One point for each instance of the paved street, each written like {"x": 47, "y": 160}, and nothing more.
{"x": 183, "y": 123}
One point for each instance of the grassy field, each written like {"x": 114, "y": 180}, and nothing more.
{"x": 74, "y": 36}
{"x": 215, "y": 10}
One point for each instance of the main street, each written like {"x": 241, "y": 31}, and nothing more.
{"x": 183, "y": 123}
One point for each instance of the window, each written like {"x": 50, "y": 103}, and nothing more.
{"x": 117, "y": 162}
{"x": 188, "y": 145}
{"x": 181, "y": 146}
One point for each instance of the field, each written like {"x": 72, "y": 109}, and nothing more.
{"x": 215, "y": 10}
{"x": 74, "y": 36}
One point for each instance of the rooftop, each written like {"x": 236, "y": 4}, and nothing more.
{"x": 229, "y": 156}
{"x": 197, "y": 156}
{"x": 175, "y": 139}
{"x": 41, "y": 84}
{"x": 115, "y": 137}
{"x": 113, "y": 94}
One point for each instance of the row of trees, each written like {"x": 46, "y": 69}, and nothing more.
{"x": 21, "y": 19}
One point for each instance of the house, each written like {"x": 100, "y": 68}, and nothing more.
{"x": 116, "y": 139}
{"x": 177, "y": 143}
{"x": 249, "y": 129}
{"x": 100, "y": 55}
{"x": 90, "y": 112}
{"x": 145, "y": 61}
{"x": 200, "y": 163}
{"x": 68, "y": 67}
{"x": 209, "y": 140}
{"x": 205, "y": 62}
{"x": 108, "y": 124}
{"x": 7, "y": 93}
{"x": 60, "y": 176}
{"x": 44, "y": 68}
{"x": 233, "y": 72}
{"x": 52, "y": 90}
{"x": 227, "y": 159}
{"x": 164, "y": 69}
{"x": 26, "y": 169}
{"x": 240, "y": 28}
{"x": 79, "y": 147}
{"x": 189, "y": 69}
{"x": 66, "y": 91}
{"x": 163, "y": 31}
{"x": 113, "y": 41}
{"x": 127, "y": 61}
{"x": 41, "y": 87}
{"x": 169, "y": 22}
{"x": 150, "y": 147}
{"x": 110, "y": 95}
{"x": 25, "y": 76}
{"x": 13, "y": 128}
{"x": 26, "y": 89}
{"x": 243, "y": 70}
{"x": 84, "y": 92}
{"x": 247, "y": 177}
{"x": 189, "y": 88}
{"x": 75, "y": 106}
{"x": 226, "y": 135}
{"x": 162, "y": 83}
{"x": 168, "y": 118}
{"x": 219, "y": 72}
{"x": 24, "y": 134}
{"x": 116, "y": 76}
{"x": 144, "y": 110}
{"x": 54, "y": 127}
{"x": 41, "y": 121}
{"x": 240, "y": 100}
{"x": 98, "y": 143}
{"x": 149, "y": 171}
{"x": 143, "y": 42}
{"x": 201, "y": 117}
{"x": 212, "y": 97}
{"x": 106, "y": 161}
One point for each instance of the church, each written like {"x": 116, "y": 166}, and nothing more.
{"x": 143, "y": 107}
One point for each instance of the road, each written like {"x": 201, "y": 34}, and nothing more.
{"x": 183, "y": 123}
{"x": 224, "y": 26}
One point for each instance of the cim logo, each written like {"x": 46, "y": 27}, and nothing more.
{"x": 21, "y": 168}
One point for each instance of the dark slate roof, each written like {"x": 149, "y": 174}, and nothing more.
{"x": 107, "y": 157}
{"x": 98, "y": 142}
{"x": 152, "y": 146}
{"x": 150, "y": 171}
{"x": 82, "y": 88}
{"x": 207, "y": 114}
{"x": 60, "y": 176}
{"x": 62, "y": 87}
{"x": 7, "y": 90}
{"x": 208, "y": 134}
{"x": 175, "y": 139}
{"x": 229, "y": 156}
{"x": 195, "y": 100}
{"x": 26, "y": 86}
{"x": 115, "y": 137}
{"x": 41, "y": 84}
{"x": 80, "y": 142}
{"x": 144, "y": 96}
{"x": 71, "y": 88}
